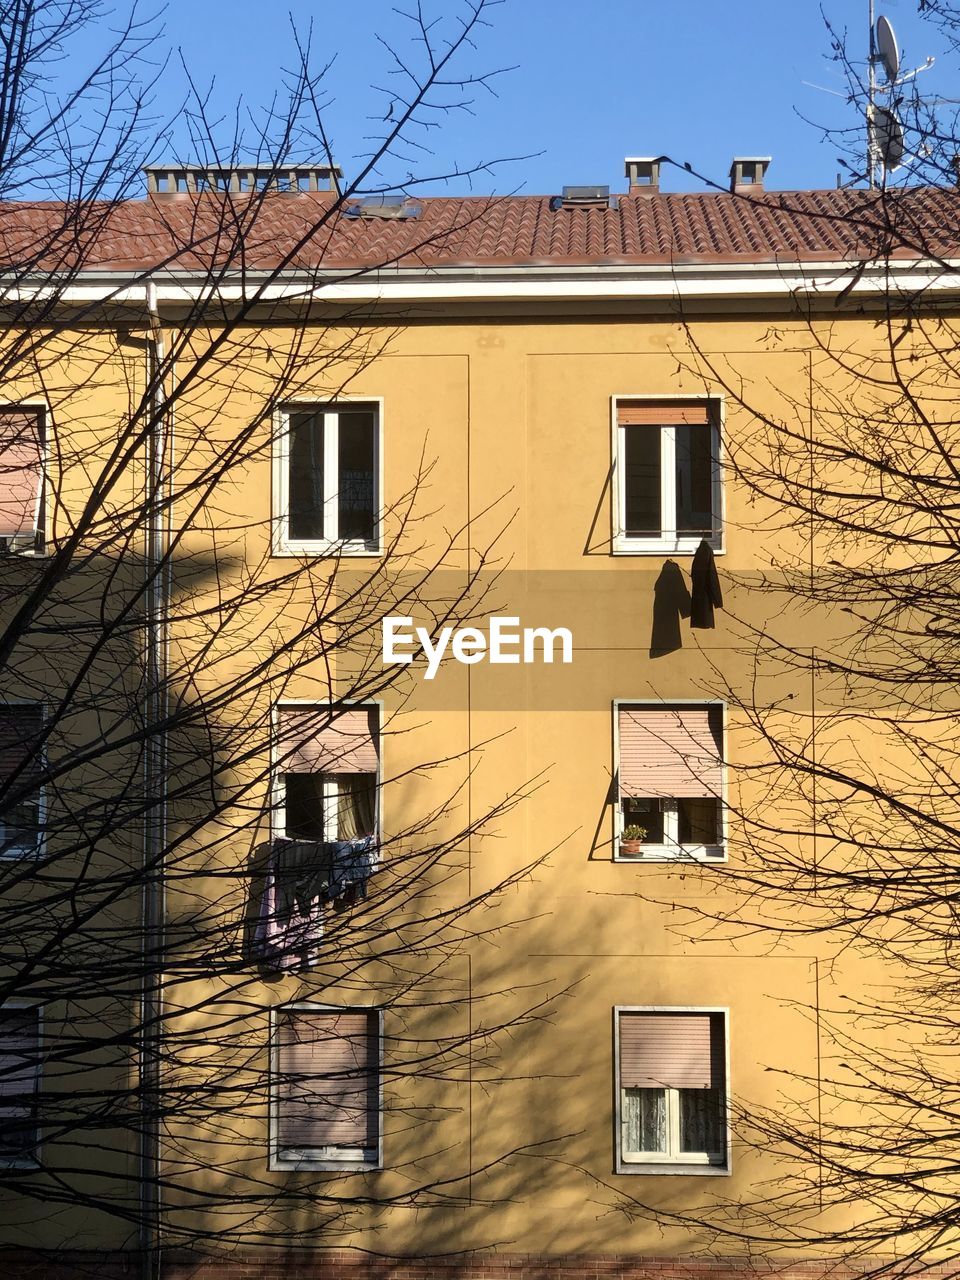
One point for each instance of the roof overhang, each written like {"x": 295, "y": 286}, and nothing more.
{"x": 671, "y": 283}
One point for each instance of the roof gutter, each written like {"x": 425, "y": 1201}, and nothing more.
{"x": 505, "y": 284}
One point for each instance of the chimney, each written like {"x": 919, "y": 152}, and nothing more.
{"x": 747, "y": 174}
{"x": 190, "y": 179}
{"x": 644, "y": 174}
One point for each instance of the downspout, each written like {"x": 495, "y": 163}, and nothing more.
{"x": 156, "y": 597}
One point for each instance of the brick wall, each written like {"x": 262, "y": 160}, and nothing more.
{"x": 344, "y": 1265}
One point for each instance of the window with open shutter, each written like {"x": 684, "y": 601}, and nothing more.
{"x": 326, "y": 1088}
{"x": 21, "y": 769}
{"x": 668, "y": 474}
{"x": 671, "y": 1069}
{"x": 21, "y": 478}
{"x": 19, "y": 1084}
{"x": 670, "y": 780}
{"x": 327, "y": 767}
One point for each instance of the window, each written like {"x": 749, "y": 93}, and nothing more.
{"x": 21, "y": 479}
{"x": 671, "y": 1090}
{"x": 328, "y": 479}
{"x": 667, "y": 494}
{"x": 670, "y": 781}
{"x": 21, "y": 767}
{"x": 327, "y": 763}
{"x": 19, "y": 1084}
{"x": 326, "y": 1088}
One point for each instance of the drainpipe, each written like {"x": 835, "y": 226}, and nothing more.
{"x": 156, "y": 596}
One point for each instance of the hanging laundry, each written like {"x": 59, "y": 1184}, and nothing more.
{"x": 290, "y": 921}
{"x": 706, "y": 593}
{"x": 300, "y": 877}
{"x": 354, "y": 862}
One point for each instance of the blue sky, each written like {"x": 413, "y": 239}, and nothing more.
{"x": 594, "y": 82}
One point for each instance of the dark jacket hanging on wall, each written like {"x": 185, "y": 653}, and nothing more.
{"x": 706, "y": 587}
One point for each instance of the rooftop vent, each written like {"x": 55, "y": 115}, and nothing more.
{"x": 747, "y": 174}
{"x": 644, "y": 174}
{"x": 384, "y": 207}
{"x": 584, "y": 198}
{"x": 170, "y": 180}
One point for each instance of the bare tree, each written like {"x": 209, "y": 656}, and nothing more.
{"x": 846, "y": 825}
{"x": 175, "y": 862}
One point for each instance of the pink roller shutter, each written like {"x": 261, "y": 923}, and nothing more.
{"x": 20, "y": 471}
{"x": 670, "y": 752}
{"x": 327, "y": 1085}
{"x": 20, "y": 728}
{"x": 311, "y": 741}
{"x": 671, "y": 1051}
{"x": 662, "y": 413}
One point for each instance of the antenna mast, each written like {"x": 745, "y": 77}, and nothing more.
{"x": 885, "y": 133}
{"x": 871, "y": 102}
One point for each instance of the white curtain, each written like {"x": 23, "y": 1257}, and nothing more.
{"x": 644, "y": 1120}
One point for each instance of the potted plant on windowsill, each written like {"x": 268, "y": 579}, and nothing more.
{"x": 631, "y": 840}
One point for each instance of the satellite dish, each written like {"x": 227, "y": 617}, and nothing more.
{"x": 886, "y": 137}
{"x": 887, "y": 50}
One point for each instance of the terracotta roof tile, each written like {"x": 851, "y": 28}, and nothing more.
{"x": 307, "y": 231}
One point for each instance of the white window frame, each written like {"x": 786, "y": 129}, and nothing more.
{"x": 330, "y": 544}
{"x": 671, "y": 850}
{"x": 16, "y": 852}
{"x": 668, "y": 542}
{"x": 330, "y": 790}
{"x": 333, "y": 1159}
{"x": 34, "y": 1162}
{"x": 39, "y": 547}
{"x": 674, "y": 1162}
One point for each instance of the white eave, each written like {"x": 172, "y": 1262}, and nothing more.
{"x": 679, "y": 282}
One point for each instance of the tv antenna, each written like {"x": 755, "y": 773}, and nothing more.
{"x": 885, "y": 139}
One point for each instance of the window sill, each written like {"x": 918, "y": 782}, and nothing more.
{"x": 18, "y": 853}
{"x": 292, "y": 1161}
{"x": 336, "y": 550}
{"x": 670, "y": 853}
{"x": 624, "y": 546}
{"x": 674, "y": 1168}
{"x": 24, "y": 553}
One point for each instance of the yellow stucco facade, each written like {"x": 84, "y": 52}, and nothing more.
{"x": 502, "y": 931}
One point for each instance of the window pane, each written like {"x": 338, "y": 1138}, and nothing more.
{"x": 644, "y": 1120}
{"x": 694, "y": 478}
{"x": 303, "y": 801}
{"x": 641, "y": 467}
{"x": 355, "y": 498}
{"x": 18, "y": 1135}
{"x": 699, "y": 820}
{"x": 647, "y": 814}
{"x": 701, "y": 1120}
{"x": 21, "y": 825}
{"x": 306, "y": 475}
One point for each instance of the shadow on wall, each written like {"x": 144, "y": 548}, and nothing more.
{"x": 671, "y": 603}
